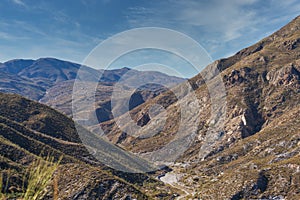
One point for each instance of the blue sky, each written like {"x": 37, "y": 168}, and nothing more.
{"x": 70, "y": 29}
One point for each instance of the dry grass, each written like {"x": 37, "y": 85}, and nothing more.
{"x": 38, "y": 178}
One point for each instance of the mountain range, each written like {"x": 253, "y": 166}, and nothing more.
{"x": 50, "y": 81}
{"x": 253, "y": 152}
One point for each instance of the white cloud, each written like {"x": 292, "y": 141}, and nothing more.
{"x": 37, "y": 42}
{"x": 221, "y": 25}
{"x": 228, "y": 18}
{"x": 8, "y": 36}
{"x": 19, "y": 2}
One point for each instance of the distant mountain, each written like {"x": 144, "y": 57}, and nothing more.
{"x": 29, "y": 130}
{"x": 16, "y": 66}
{"x": 13, "y": 83}
{"x": 45, "y": 72}
{"x": 59, "y": 96}
{"x": 50, "y": 81}
{"x": 252, "y": 152}
{"x": 255, "y": 155}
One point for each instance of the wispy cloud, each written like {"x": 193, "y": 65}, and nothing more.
{"x": 27, "y": 40}
{"x": 54, "y": 28}
{"x": 219, "y": 25}
{"x": 17, "y": 28}
{"x": 19, "y": 2}
{"x": 8, "y": 36}
{"x": 228, "y": 18}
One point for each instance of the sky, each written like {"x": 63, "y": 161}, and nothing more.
{"x": 71, "y": 29}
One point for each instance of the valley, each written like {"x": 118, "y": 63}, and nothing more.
{"x": 244, "y": 144}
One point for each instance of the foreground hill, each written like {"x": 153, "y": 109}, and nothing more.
{"x": 29, "y": 130}
{"x": 256, "y": 153}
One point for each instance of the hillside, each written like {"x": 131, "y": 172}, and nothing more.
{"x": 29, "y": 130}
{"x": 255, "y": 154}
{"x": 11, "y": 83}
{"x": 242, "y": 142}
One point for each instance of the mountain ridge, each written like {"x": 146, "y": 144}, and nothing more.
{"x": 50, "y": 81}
{"x": 262, "y": 84}
{"x": 37, "y": 131}
{"x": 47, "y": 72}
{"x": 253, "y": 155}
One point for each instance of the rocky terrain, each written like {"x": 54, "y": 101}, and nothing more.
{"x": 255, "y": 154}
{"x": 37, "y": 131}
{"x": 245, "y": 128}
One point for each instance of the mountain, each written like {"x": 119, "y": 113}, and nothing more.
{"x": 240, "y": 141}
{"x": 48, "y": 72}
{"x": 60, "y": 95}
{"x": 11, "y": 83}
{"x": 42, "y": 73}
{"x": 45, "y": 71}
{"x": 253, "y": 151}
{"x": 50, "y": 81}
{"x": 29, "y": 130}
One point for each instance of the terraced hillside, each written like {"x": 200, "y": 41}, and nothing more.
{"x": 31, "y": 131}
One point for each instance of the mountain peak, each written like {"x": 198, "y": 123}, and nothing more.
{"x": 16, "y": 65}
{"x": 126, "y": 68}
{"x": 285, "y": 39}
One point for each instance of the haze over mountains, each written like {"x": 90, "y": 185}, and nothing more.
{"x": 45, "y": 73}
{"x": 254, "y": 155}
{"x": 51, "y": 81}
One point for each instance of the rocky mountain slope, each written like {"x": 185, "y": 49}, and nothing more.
{"x": 255, "y": 154}
{"x": 29, "y": 130}
{"x": 252, "y": 152}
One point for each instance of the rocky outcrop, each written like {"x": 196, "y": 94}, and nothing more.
{"x": 121, "y": 138}
{"x": 286, "y": 75}
{"x": 239, "y": 76}
{"x": 254, "y": 189}
{"x": 291, "y": 44}
{"x": 143, "y": 119}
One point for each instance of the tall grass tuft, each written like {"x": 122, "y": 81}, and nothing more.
{"x": 2, "y": 196}
{"x": 39, "y": 176}
{"x": 55, "y": 186}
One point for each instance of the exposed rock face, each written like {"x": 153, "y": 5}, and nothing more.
{"x": 262, "y": 102}
{"x": 287, "y": 75}
{"x": 238, "y": 76}
{"x": 259, "y": 187}
{"x": 143, "y": 120}
{"x": 291, "y": 44}
{"x": 121, "y": 138}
